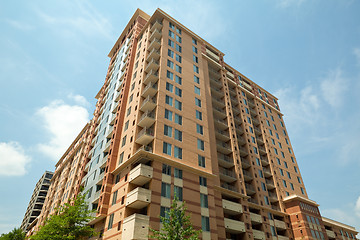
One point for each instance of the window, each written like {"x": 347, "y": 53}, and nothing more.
{"x": 284, "y": 132}
{"x": 302, "y": 190}
{"x": 114, "y": 197}
{"x": 292, "y": 186}
{"x": 128, "y": 111}
{"x": 266, "y": 199}
{"x": 171, "y": 25}
{"x": 257, "y": 161}
{"x": 263, "y": 186}
{"x": 170, "y": 64}
{"x": 194, "y": 41}
{"x": 170, "y": 75}
{"x": 194, "y": 49}
{"x": 282, "y": 154}
{"x": 247, "y": 110}
{"x": 199, "y": 129}
{"x": 178, "y": 80}
{"x": 255, "y": 150}
{"x": 204, "y": 200}
{"x": 202, "y": 181}
{"x": 123, "y": 141}
{"x": 178, "y": 152}
{"x": 111, "y": 220}
{"x": 178, "y": 58}
{"x": 277, "y": 135}
{"x": 164, "y": 212}
{"x": 178, "y": 38}
{"x": 287, "y": 141}
{"x": 178, "y": 119}
{"x": 178, "y": 191}
{"x": 170, "y": 53}
{"x": 169, "y": 87}
{"x": 267, "y": 122}
{"x": 200, "y": 144}
{"x": 195, "y": 59}
{"x": 201, "y": 160}
{"x": 126, "y": 125}
{"x": 205, "y": 225}
{"x": 178, "y": 69}
{"x": 251, "y": 130}
{"x": 292, "y": 159}
{"x": 284, "y": 182}
{"x": 245, "y": 101}
{"x": 295, "y": 168}
{"x": 167, "y": 131}
{"x": 281, "y": 172}
{"x": 285, "y": 164}
{"x": 171, "y": 43}
{"x": 121, "y": 157}
{"x": 168, "y": 114}
{"x": 278, "y": 160}
{"x": 290, "y": 150}
{"x": 197, "y": 102}
{"x": 196, "y": 79}
{"x": 168, "y": 100}
{"x": 280, "y": 146}
{"x": 252, "y": 139}
{"x": 166, "y": 169}
{"x": 274, "y": 126}
{"x": 273, "y": 231}
{"x": 265, "y": 113}
{"x": 178, "y": 30}
{"x": 178, "y": 104}
{"x": 178, "y": 91}
{"x": 131, "y": 97}
{"x": 299, "y": 180}
{"x": 171, "y": 34}
{"x": 273, "y": 141}
{"x": 197, "y": 90}
{"x": 198, "y": 115}
{"x": 196, "y": 69}
{"x": 178, "y": 135}
{"x": 178, "y": 173}
{"x": 261, "y": 174}
{"x": 165, "y": 190}
{"x": 288, "y": 174}
{"x": 167, "y": 148}
{"x": 178, "y": 48}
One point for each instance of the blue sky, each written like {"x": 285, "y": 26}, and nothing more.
{"x": 53, "y": 60}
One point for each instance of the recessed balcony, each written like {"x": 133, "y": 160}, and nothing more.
{"x": 148, "y": 104}
{"x": 152, "y": 76}
{"x": 100, "y": 177}
{"x": 157, "y": 25}
{"x": 155, "y": 43}
{"x": 156, "y": 34}
{"x": 255, "y": 122}
{"x": 258, "y": 234}
{"x": 257, "y": 131}
{"x": 241, "y": 141}
{"x": 239, "y": 130}
{"x": 219, "y": 112}
{"x": 273, "y": 197}
{"x": 262, "y": 150}
{"x": 225, "y": 161}
{"x": 251, "y": 104}
{"x": 136, "y": 226}
{"x": 222, "y": 135}
{"x": 245, "y": 164}
{"x": 214, "y": 73}
{"x": 269, "y": 184}
{"x": 227, "y": 175}
{"x": 217, "y": 92}
{"x": 283, "y": 237}
{"x": 154, "y": 54}
{"x": 231, "y": 208}
{"x": 279, "y": 224}
{"x": 223, "y": 147}
{"x": 216, "y": 81}
{"x": 233, "y": 226}
{"x": 152, "y": 65}
{"x": 138, "y": 198}
{"x": 253, "y": 112}
{"x": 247, "y": 175}
{"x": 150, "y": 90}
{"x": 96, "y": 196}
{"x": 107, "y": 146}
{"x": 243, "y": 152}
{"x": 255, "y": 218}
{"x": 260, "y": 140}
{"x": 250, "y": 190}
{"x": 145, "y": 136}
{"x": 147, "y": 119}
{"x": 330, "y": 234}
{"x": 267, "y": 172}
{"x": 228, "y": 187}
{"x": 140, "y": 175}
{"x": 218, "y": 102}
{"x": 264, "y": 160}
{"x": 221, "y": 124}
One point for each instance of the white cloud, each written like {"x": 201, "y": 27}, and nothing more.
{"x": 357, "y": 207}
{"x": 333, "y": 88}
{"x": 13, "y": 160}
{"x": 20, "y": 25}
{"x": 81, "y": 100}
{"x": 63, "y": 122}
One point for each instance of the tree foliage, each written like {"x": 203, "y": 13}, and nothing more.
{"x": 15, "y": 234}
{"x": 176, "y": 225}
{"x": 69, "y": 222}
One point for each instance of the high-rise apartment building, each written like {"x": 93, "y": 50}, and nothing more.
{"x": 173, "y": 118}
{"x": 37, "y": 201}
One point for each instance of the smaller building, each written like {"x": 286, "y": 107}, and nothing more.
{"x": 37, "y": 200}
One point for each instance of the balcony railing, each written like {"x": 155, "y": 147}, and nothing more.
{"x": 147, "y": 119}
{"x": 145, "y": 136}
{"x": 154, "y": 54}
{"x": 229, "y": 187}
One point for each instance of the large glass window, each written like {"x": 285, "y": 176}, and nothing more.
{"x": 203, "y": 200}
{"x": 177, "y": 152}
{"x": 178, "y": 191}
{"x": 167, "y": 148}
{"x": 205, "y": 224}
{"x": 165, "y": 190}
{"x": 167, "y": 130}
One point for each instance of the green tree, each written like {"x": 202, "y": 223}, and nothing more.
{"x": 15, "y": 234}
{"x": 69, "y": 222}
{"x": 176, "y": 225}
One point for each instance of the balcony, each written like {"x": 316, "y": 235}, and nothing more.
{"x": 241, "y": 140}
{"x": 219, "y": 112}
{"x": 138, "y": 198}
{"x": 273, "y": 197}
{"x": 235, "y": 110}
{"x": 257, "y": 131}
{"x": 282, "y": 237}
{"x": 150, "y": 90}
{"x": 140, "y": 175}
{"x": 219, "y": 102}
{"x": 100, "y": 177}
{"x": 154, "y": 54}
{"x": 279, "y": 224}
{"x": 152, "y": 65}
{"x": 247, "y": 175}
{"x": 148, "y": 104}
{"x": 330, "y": 234}
{"x": 255, "y": 122}
{"x": 231, "y": 208}
{"x": 215, "y": 81}
{"x": 136, "y": 226}
{"x": 107, "y": 146}
{"x": 253, "y": 112}
{"x": 269, "y": 184}
{"x": 156, "y": 34}
{"x": 152, "y": 76}
{"x": 229, "y": 187}
{"x": 225, "y": 161}
{"x": 222, "y": 135}
{"x": 147, "y": 119}
{"x": 221, "y": 124}
{"x": 223, "y": 147}
{"x": 262, "y": 150}
{"x": 255, "y": 218}
{"x": 243, "y": 152}
{"x": 245, "y": 164}
{"x": 145, "y": 136}
{"x": 250, "y": 190}
{"x": 217, "y": 92}
{"x": 267, "y": 172}
{"x": 112, "y": 120}
{"x": 157, "y": 25}
{"x": 214, "y": 73}
{"x": 233, "y": 226}
{"x": 251, "y": 103}
{"x": 155, "y": 43}
{"x": 260, "y": 140}
{"x": 264, "y": 160}
{"x": 110, "y": 131}
{"x": 239, "y": 130}
{"x": 87, "y": 166}
{"x": 96, "y": 196}
{"x": 258, "y": 234}
{"x": 227, "y": 175}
